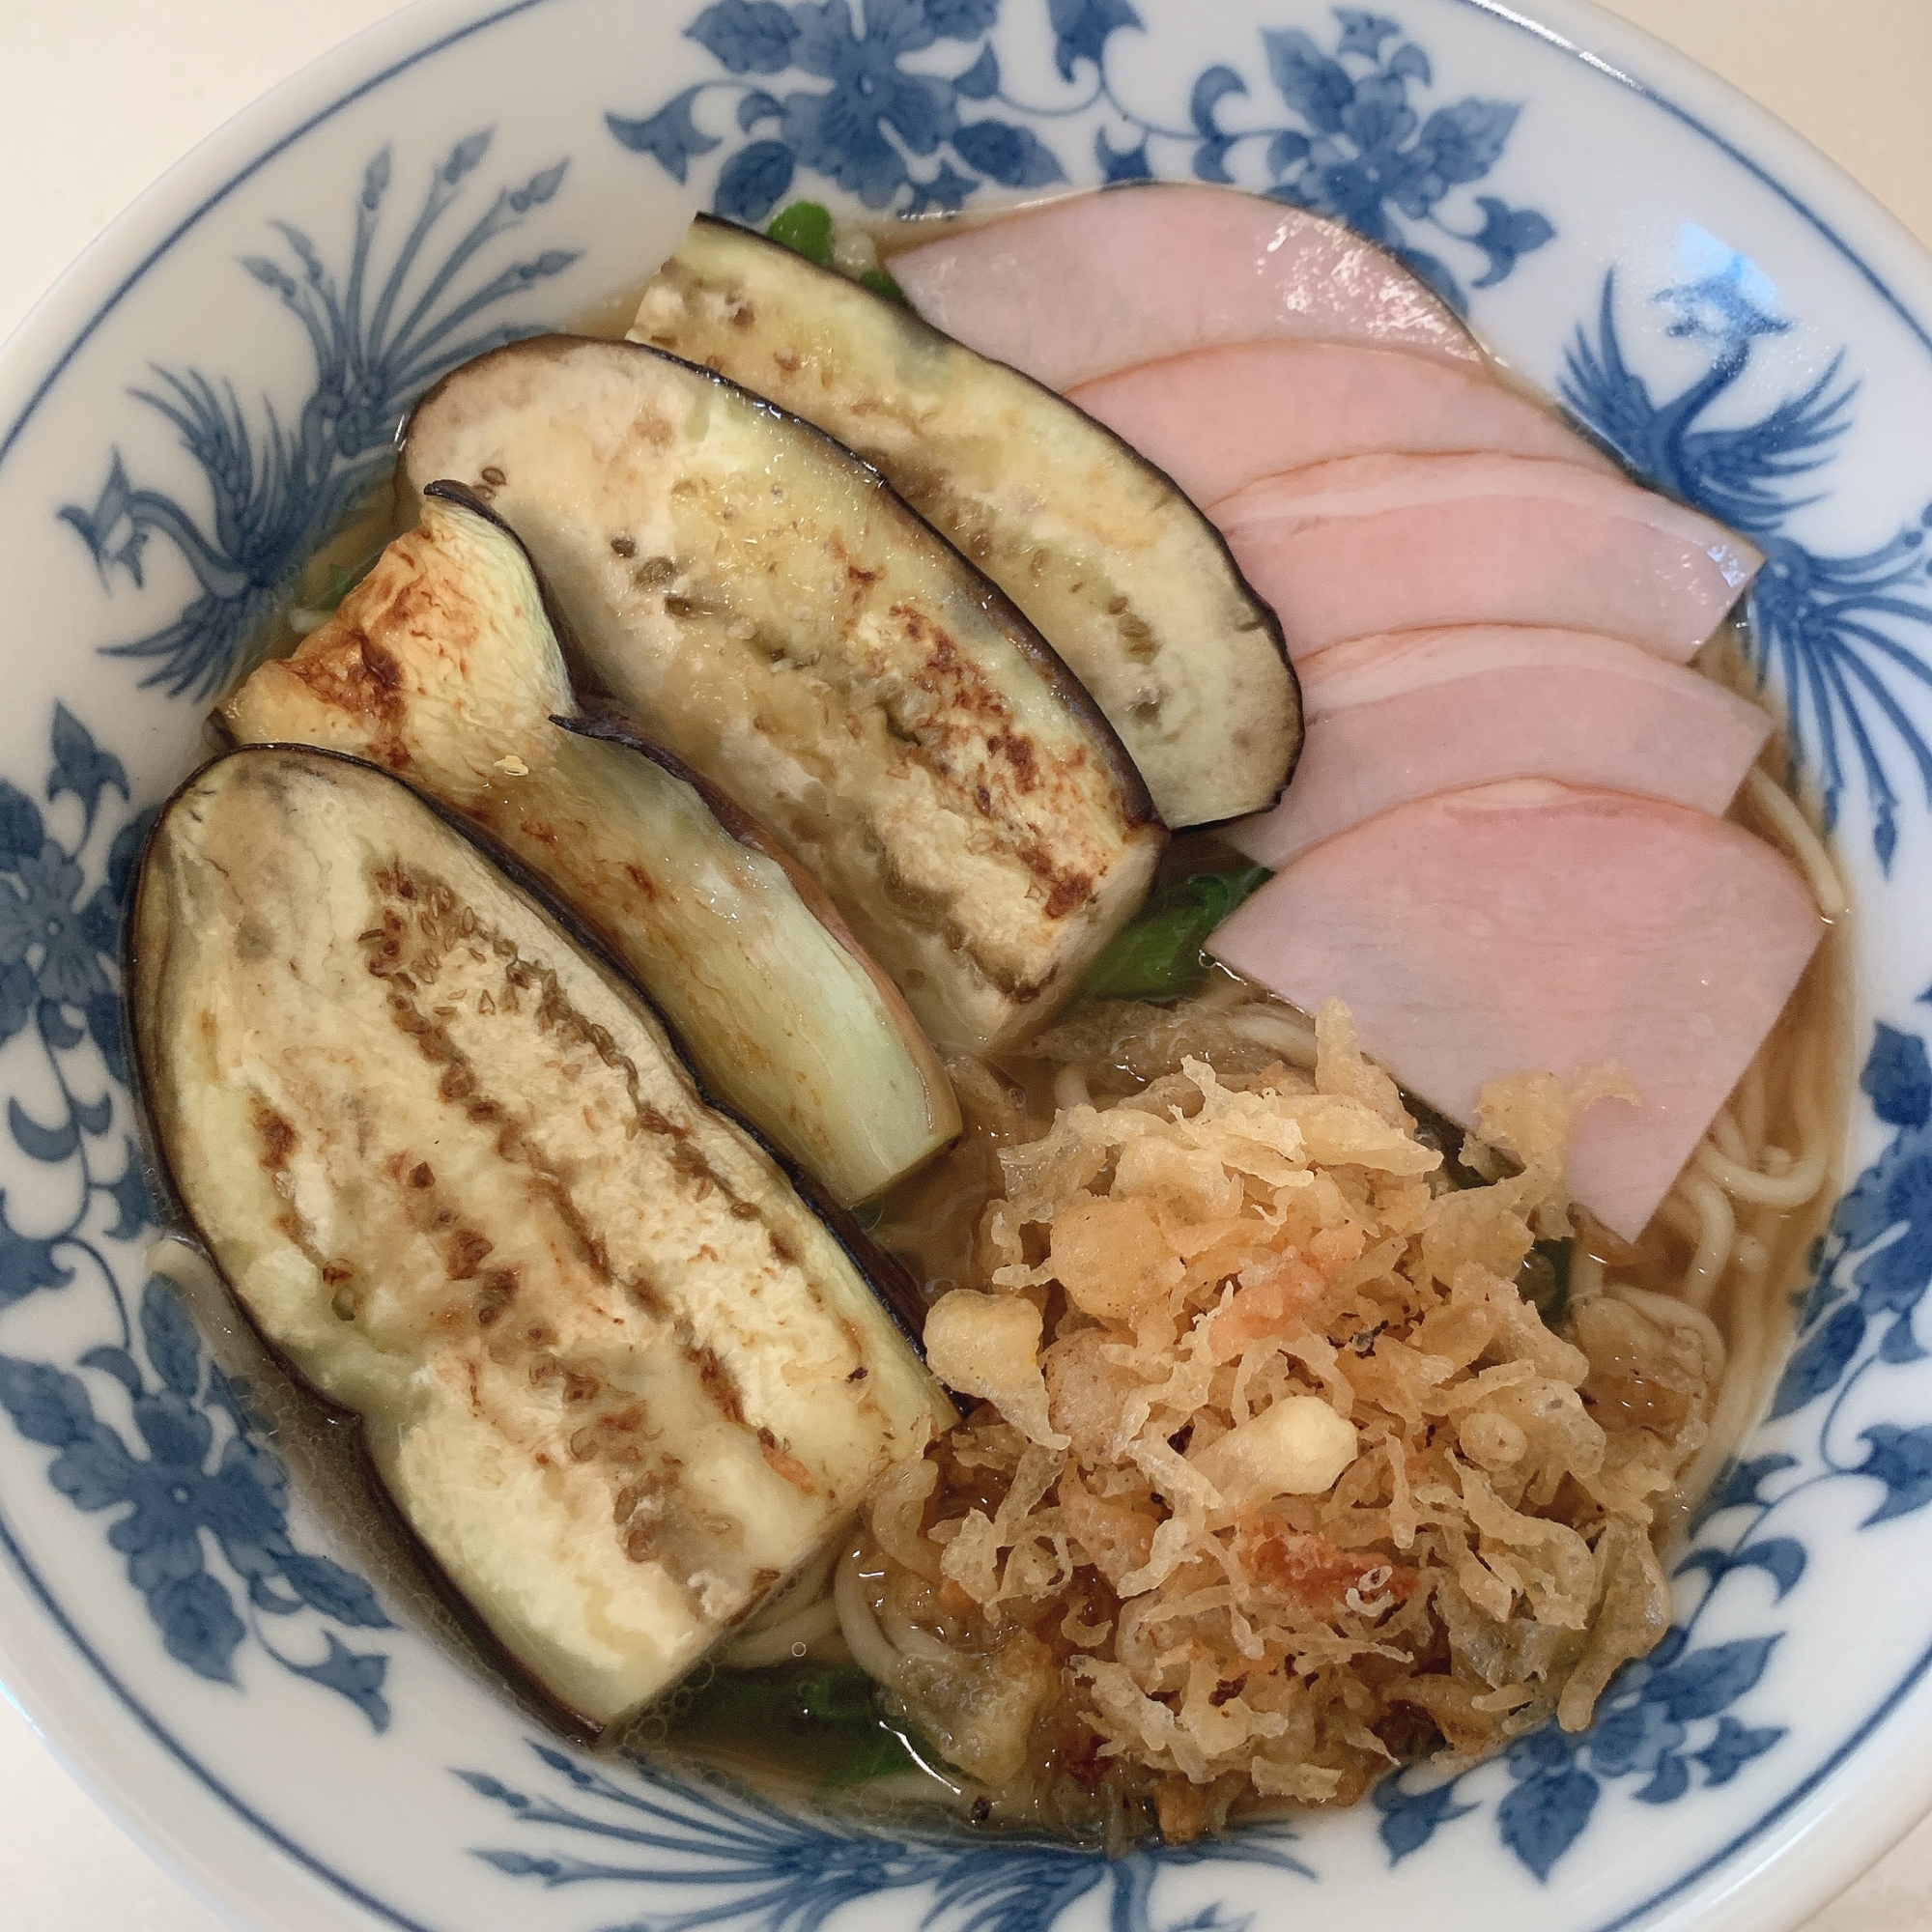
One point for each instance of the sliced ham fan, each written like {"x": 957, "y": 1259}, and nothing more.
{"x": 1221, "y": 418}
{"x": 1394, "y": 718}
{"x": 1100, "y": 282}
{"x": 1392, "y": 543}
{"x": 1534, "y": 925}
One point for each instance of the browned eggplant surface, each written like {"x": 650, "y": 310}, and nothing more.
{"x": 765, "y": 607}
{"x": 442, "y": 666}
{"x": 617, "y": 1375}
{"x": 1125, "y": 578}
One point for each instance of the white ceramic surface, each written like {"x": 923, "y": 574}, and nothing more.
{"x": 1602, "y": 178}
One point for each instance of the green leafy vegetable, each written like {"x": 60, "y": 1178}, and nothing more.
{"x": 882, "y": 284}
{"x": 1159, "y": 957}
{"x": 829, "y": 1712}
{"x": 341, "y": 582}
{"x": 805, "y": 228}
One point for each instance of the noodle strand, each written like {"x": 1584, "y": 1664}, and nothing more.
{"x": 871, "y": 1651}
{"x": 1295, "y": 1044}
{"x": 1802, "y": 844}
{"x": 1790, "y": 1189}
{"x": 1716, "y": 1230}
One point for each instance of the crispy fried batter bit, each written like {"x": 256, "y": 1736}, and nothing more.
{"x": 1275, "y": 1480}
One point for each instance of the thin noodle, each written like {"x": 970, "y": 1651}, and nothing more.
{"x": 1294, "y": 1042}
{"x": 1737, "y": 1399}
{"x": 1070, "y": 1090}
{"x": 1750, "y": 1108}
{"x": 790, "y": 1639}
{"x": 1717, "y": 1228}
{"x": 1790, "y": 1080}
{"x": 1791, "y": 1189}
{"x": 1219, "y": 997}
{"x": 1808, "y": 1105}
{"x": 909, "y": 1640}
{"x": 1804, "y": 844}
{"x": 1678, "y": 1216}
{"x": 1729, "y": 1137}
{"x": 871, "y": 1651}
{"x": 1667, "y": 1311}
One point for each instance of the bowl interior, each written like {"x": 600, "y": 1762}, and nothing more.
{"x": 190, "y": 1600}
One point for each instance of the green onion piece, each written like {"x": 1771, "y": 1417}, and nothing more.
{"x": 341, "y": 582}
{"x": 825, "y": 1717}
{"x": 1545, "y": 1280}
{"x": 882, "y": 284}
{"x": 805, "y": 228}
{"x": 1159, "y": 957}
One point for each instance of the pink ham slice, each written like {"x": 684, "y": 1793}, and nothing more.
{"x": 1222, "y": 418}
{"x": 1394, "y": 718}
{"x": 1533, "y": 927}
{"x": 1100, "y": 282}
{"x": 1397, "y": 543}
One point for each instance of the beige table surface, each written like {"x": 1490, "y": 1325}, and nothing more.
{"x": 97, "y": 100}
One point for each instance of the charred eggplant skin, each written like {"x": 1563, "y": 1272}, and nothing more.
{"x": 1124, "y": 576}
{"x": 1136, "y": 802}
{"x": 759, "y": 601}
{"x": 444, "y": 666}
{"x": 890, "y": 1281}
{"x": 603, "y": 1349}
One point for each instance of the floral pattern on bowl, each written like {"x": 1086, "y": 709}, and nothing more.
{"x": 145, "y": 1510}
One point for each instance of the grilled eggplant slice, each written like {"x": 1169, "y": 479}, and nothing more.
{"x": 766, "y": 607}
{"x": 1125, "y": 578}
{"x": 618, "y": 1374}
{"x": 442, "y": 667}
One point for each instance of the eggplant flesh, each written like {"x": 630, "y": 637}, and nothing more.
{"x": 763, "y": 605}
{"x": 618, "y": 1376}
{"x": 442, "y": 667}
{"x": 1127, "y": 580}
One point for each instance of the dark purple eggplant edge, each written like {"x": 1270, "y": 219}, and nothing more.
{"x": 915, "y": 324}
{"x": 891, "y": 1282}
{"x": 1137, "y": 808}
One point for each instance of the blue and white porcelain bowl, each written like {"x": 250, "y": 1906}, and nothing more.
{"x": 190, "y": 411}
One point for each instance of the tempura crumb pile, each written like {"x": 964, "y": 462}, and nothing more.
{"x": 1276, "y": 1479}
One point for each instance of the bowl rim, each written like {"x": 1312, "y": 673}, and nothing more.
{"x": 98, "y": 1727}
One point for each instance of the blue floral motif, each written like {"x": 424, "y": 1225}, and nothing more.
{"x": 902, "y": 105}
{"x": 1667, "y": 1722}
{"x": 192, "y": 1479}
{"x": 1366, "y": 156}
{"x": 761, "y": 1868}
{"x": 1661, "y": 1718}
{"x": 379, "y": 338}
{"x": 1874, "y": 1273}
{"x": 1358, "y": 146}
{"x": 859, "y": 132}
{"x": 1835, "y": 629}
